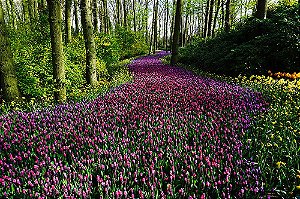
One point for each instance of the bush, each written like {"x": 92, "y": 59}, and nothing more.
{"x": 253, "y": 46}
{"x": 131, "y": 43}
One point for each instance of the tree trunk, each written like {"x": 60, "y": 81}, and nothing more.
{"x": 216, "y": 17}
{"x": 25, "y": 11}
{"x": 166, "y": 25}
{"x": 68, "y": 27}
{"x": 13, "y": 12}
{"x": 223, "y": 14}
{"x": 261, "y": 9}
{"x": 42, "y": 5}
{"x": 31, "y": 10}
{"x": 155, "y": 26}
{"x": 125, "y": 13}
{"x": 210, "y": 18}
{"x": 95, "y": 18}
{"x": 145, "y": 21}
{"x": 172, "y": 24}
{"x": 227, "y": 16}
{"x": 8, "y": 79}
{"x": 206, "y": 18}
{"x": 134, "y": 15}
{"x": 106, "y": 21}
{"x": 118, "y": 13}
{"x": 76, "y": 18}
{"x": 55, "y": 19}
{"x": 86, "y": 21}
{"x": 175, "y": 43}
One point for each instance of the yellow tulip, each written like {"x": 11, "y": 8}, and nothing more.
{"x": 280, "y": 164}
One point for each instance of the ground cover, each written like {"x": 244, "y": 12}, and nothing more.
{"x": 169, "y": 133}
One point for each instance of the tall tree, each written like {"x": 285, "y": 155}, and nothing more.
{"x": 76, "y": 18}
{"x": 134, "y": 15}
{"x": 216, "y": 17}
{"x": 261, "y": 9}
{"x": 25, "y": 11}
{"x": 125, "y": 13}
{"x": 68, "y": 27}
{"x": 206, "y": 19}
{"x": 95, "y": 15}
{"x": 55, "y": 19}
{"x": 31, "y": 9}
{"x": 166, "y": 24}
{"x": 210, "y": 17}
{"x": 87, "y": 25}
{"x": 175, "y": 43}
{"x": 227, "y": 16}
{"x": 155, "y": 13}
{"x": 106, "y": 21}
{"x": 118, "y": 12}
{"x": 8, "y": 79}
{"x": 13, "y": 12}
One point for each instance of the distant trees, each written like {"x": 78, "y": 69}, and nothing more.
{"x": 160, "y": 23}
{"x": 55, "y": 18}
{"x": 8, "y": 80}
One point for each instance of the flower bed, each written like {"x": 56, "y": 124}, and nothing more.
{"x": 170, "y": 133}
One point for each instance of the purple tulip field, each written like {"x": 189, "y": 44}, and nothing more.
{"x": 168, "y": 134}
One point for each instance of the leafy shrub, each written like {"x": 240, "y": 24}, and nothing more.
{"x": 131, "y": 43}
{"x": 108, "y": 48}
{"x": 253, "y": 46}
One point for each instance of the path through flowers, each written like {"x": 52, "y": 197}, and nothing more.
{"x": 169, "y": 133}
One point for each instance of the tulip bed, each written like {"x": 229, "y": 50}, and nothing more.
{"x": 168, "y": 134}
{"x": 274, "y": 135}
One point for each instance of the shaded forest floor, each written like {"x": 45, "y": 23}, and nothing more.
{"x": 168, "y": 133}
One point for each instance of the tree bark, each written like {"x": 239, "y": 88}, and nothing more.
{"x": 68, "y": 27}
{"x": 55, "y": 19}
{"x": 86, "y": 21}
{"x": 125, "y": 13}
{"x": 261, "y": 9}
{"x": 25, "y": 11}
{"x": 166, "y": 25}
{"x": 227, "y": 16}
{"x": 95, "y": 18}
{"x": 210, "y": 18}
{"x": 206, "y": 18}
{"x": 31, "y": 10}
{"x": 134, "y": 15}
{"x": 175, "y": 43}
{"x": 106, "y": 18}
{"x": 216, "y": 17}
{"x": 118, "y": 13}
{"x": 76, "y": 18}
{"x": 13, "y": 12}
{"x": 8, "y": 79}
{"x": 155, "y": 26}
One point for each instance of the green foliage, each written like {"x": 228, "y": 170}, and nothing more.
{"x": 254, "y": 46}
{"x": 108, "y": 48}
{"x": 131, "y": 43}
{"x": 32, "y": 56}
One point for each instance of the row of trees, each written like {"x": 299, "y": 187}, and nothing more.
{"x": 8, "y": 74}
{"x": 164, "y": 24}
